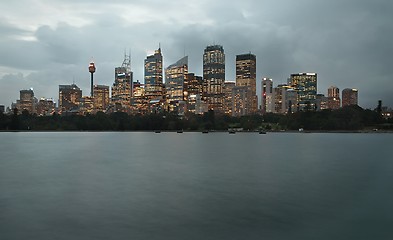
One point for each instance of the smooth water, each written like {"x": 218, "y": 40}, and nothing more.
{"x": 142, "y": 185}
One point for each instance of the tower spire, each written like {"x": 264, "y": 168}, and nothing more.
{"x": 92, "y": 70}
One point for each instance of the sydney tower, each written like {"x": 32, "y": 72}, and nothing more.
{"x": 92, "y": 69}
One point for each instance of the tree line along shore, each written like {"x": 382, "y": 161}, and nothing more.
{"x": 351, "y": 118}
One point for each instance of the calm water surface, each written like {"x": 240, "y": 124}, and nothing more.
{"x": 195, "y": 186}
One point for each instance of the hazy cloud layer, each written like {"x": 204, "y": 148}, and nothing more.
{"x": 348, "y": 43}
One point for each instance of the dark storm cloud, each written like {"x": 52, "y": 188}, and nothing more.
{"x": 348, "y": 43}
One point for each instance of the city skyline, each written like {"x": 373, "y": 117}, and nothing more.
{"x": 47, "y": 45}
{"x": 162, "y": 81}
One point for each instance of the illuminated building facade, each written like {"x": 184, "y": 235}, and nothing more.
{"x": 46, "y": 107}
{"x": 279, "y": 98}
{"x": 69, "y": 97}
{"x": 139, "y": 101}
{"x": 26, "y": 101}
{"x": 122, "y": 87}
{"x": 194, "y": 84}
{"x": 333, "y": 101}
{"x": 176, "y": 83}
{"x": 194, "y": 90}
{"x": 267, "y": 105}
{"x": 86, "y": 105}
{"x": 228, "y": 87}
{"x": 246, "y": 75}
{"x": 101, "y": 97}
{"x": 349, "y": 97}
{"x": 153, "y": 76}
{"x": 291, "y": 100}
{"x": 214, "y": 77}
{"x": 241, "y": 97}
{"x": 285, "y": 99}
{"x": 306, "y": 86}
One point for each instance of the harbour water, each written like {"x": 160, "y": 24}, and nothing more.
{"x": 145, "y": 185}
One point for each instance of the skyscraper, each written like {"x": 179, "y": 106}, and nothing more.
{"x": 241, "y": 98}
{"x": 194, "y": 84}
{"x": 69, "y": 97}
{"x": 285, "y": 99}
{"x": 246, "y": 76}
{"x": 279, "y": 98}
{"x": 175, "y": 82}
{"x": 349, "y": 97}
{"x": 139, "y": 102}
{"x": 26, "y": 101}
{"x": 194, "y": 90}
{"x": 305, "y": 84}
{"x": 86, "y": 105}
{"x": 101, "y": 97}
{"x": 214, "y": 77}
{"x": 122, "y": 87}
{"x": 228, "y": 87}
{"x": 333, "y": 99}
{"x": 46, "y": 107}
{"x": 267, "y": 95}
{"x": 153, "y": 76}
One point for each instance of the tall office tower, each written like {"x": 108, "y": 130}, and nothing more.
{"x": 139, "y": 102}
{"x": 246, "y": 75}
{"x": 122, "y": 87}
{"x": 26, "y": 101}
{"x": 241, "y": 99}
{"x": 214, "y": 77}
{"x": 285, "y": 99}
{"x": 101, "y": 97}
{"x": 349, "y": 97}
{"x": 333, "y": 100}
{"x": 46, "y": 107}
{"x": 306, "y": 86}
{"x": 194, "y": 84}
{"x": 194, "y": 90}
{"x": 92, "y": 70}
{"x": 176, "y": 83}
{"x": 279, "y": 98}
{"x": 267, "y": 95}
{"x": 86, "y": 105}
{"x": 153, "y": 76}
{"x": 291, "y": 100}
{"x": 2, "y": 109}
{"x": 69, "y": 97}
{"x": 228, "y": 87}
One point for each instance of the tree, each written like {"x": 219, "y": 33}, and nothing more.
{"x": 15, "y": 122}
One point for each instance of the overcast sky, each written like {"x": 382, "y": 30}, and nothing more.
{"x": 45, "y": 43}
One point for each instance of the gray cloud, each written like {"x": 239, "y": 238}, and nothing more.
{"x": 348, "y": 43}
